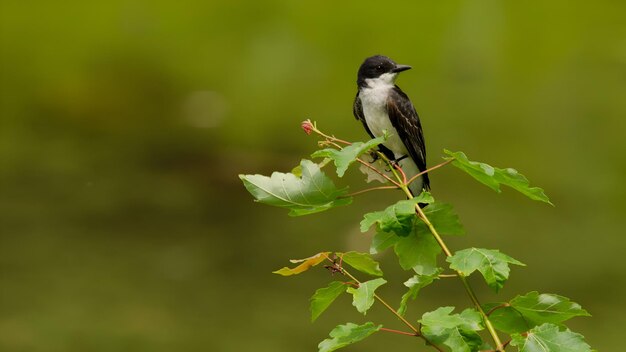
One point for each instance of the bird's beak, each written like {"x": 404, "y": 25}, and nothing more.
{"x": 400, "y": 68}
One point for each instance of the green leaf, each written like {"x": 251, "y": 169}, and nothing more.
{"x": 549, "y": 338}
{"x": 343, "y": 158}
{"x": 362, "y": 262}
{"x": 398, "y": 218}
{"x": 532, "y": 309}
{"x": 443, "y": 218}
{"x": 382, "y": 241}
{"x": 506, "y": 319}
{"x": 311, "y": 193}
{"x": 415, "y": 284}
{"x": 363, "y": 296}
{"x": 418, "y": 251}
{"x": 546, "y": 308}
{"x": 305, "y": 265}
{"x": 493, "y": 177}
{"x": 457, "y": 331}
{"x": 344, "y": 335}
{"x": 469, "y": 319}
{"x": 493, "y": 265}
{"x": 324, "y": 297}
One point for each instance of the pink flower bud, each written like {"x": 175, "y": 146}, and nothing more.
{"x": 307, "y": 126}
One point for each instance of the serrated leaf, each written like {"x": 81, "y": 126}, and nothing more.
{"x": 457, "y": 331}
{"x": 382, "y": 241}
{"x": 506, "y": 319}
{"x": 492, "y": 264}
{"x": 532, "y": 309}
{"x": 324, "y": 297}
{"x": 305, "y": 265}
{"x": 398, "y": 218}
{"x": 311, "y": 193}
{"x": 415, "y": 284}
{"x": 343, "y": 158}
{"x": 344, "y": 335}
{"x": 443, "y": 218}
{"x": 493, "y": 177}
{"x": 469, "y": 319}
{"x": 363, "y": 296}
{"x": 549, "y": 338}
{"x": 546, "y": 308}
{"x": 418, "y": 251}
{"x": 362, "y": 262}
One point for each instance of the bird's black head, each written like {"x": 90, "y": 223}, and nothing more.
{"x": 379, "y": 66}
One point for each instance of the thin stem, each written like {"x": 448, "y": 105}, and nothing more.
{"x": 368, "y": 165}
{"x": 400, "y": 332}
{"x": 401, "y": 173}
{"x": 401, "y": 183}
{"x": 432, "y": 229}
{"x": 506, "y": 344}
{"x": 368, "y": 190}
{"x": 332, "y": 138}
{"x": 429, "y": 170}
{"x": 416, "y": 332}
{"x": 497, "y": 307}
{"x": 488, "y": 324}
{"x": 443, "y": 276}
{"x": 466, "y": 284}
{"x": 346, "y": 273}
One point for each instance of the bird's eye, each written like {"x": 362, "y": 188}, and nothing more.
{"x": 379, "y": 67}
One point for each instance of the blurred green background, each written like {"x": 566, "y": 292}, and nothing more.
{"x": 124, "y": 124}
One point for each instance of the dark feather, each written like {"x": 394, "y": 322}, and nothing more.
{"x": 357, "y": 110}
{"x": 405, "y": 120}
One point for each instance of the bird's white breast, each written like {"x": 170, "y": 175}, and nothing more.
{"x": 374, "y": 102}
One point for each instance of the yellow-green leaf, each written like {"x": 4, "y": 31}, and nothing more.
{"x": 305, "y": 264}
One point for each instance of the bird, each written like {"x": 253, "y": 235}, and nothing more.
{"x": 382, "y": 106}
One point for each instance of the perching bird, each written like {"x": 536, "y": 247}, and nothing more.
{"x": 382, "y": 106}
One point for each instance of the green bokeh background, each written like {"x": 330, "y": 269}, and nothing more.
{"x": 124, "y": 124}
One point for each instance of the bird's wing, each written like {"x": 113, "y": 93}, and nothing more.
{"x": 357, "y": 110}
{"x": 405, "y": 120}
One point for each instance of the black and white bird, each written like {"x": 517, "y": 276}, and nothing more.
{"x": 381, "y": 106}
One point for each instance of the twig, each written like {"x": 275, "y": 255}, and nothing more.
{"x": 466, "y": 284}
{"x": 368, "y": 165}
{"x": 503, "y": 305}
{"x": 429, "y": 170}
{"x": 400, "y": 332}
{"x": 416, "y": 332}
{"x": 367, "y": 190}
{"x": 443, "y": 276}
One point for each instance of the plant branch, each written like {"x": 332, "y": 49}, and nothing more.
{"x": 367, "y": 190}
{"x": 406, "y": 322}
{"x": 368, "y": 165}
{"x": 401, "y": 180}
{"x": 416, "y": 332}
{"x": 466, "y": 284}
{"x": 400, "y": 332}
{"x": 402, "y": 183}
{"x": 429, "y": 170}
{"x": 309, "y": 127}
{"x": 503, "y": 305}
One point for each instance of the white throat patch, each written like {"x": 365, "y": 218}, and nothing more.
{"x": 374, "y": 102}
{"x": 384, "y": 80}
